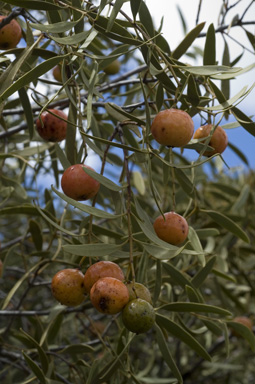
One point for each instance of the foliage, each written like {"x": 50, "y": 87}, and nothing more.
{"x": 197, "y": 288}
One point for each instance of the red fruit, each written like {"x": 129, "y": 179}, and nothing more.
{"x": 77, "y": 184}
{"x": 172, "y": 127}
{"x": 50, "y": 127}
{"x": 173, "y": 229}
{"x": 219, "y": 139}
{"x": 67, "y": 287}
{"x": 109, "y": 295}
{"x": 101, "y": 269}
{"x": 10, "y": 34}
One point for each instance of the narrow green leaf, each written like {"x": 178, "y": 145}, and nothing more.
{"x": 242, "y": 199}
{"x": 36, "y": 233}
{"x": 135, "y": 5}
{"x": 196, "y": 245}
{"x": 178, "y": 277}
{"x": 228, "y": 224}
{"x": 195, "y": 307}
{"x": 146, "y": 19}
{"x": 42, "y": 355}
{"x": 167, "y": 355}
{"x": 158, "y": 282}
{"x": 225, "y": 84}
{"x": 187, "y": 41}
{"x": 92, "y": 250}
{"x": 185, "y": 183}
{"x": 115, "y": 10}
{"x": 62, "y": 26}
{"x": 180, "y": 333}
{"x": 245, "y": 121}
{"x": 192, "y": 92}
{"x": 31, "y": 75}
{"x": 201, "y": 275}
{"x": 35, "y": 368}
{"x": 77, "y": 349}
{"x": 25, "y": 101}
{"x": 103, "y": 180}
{"x": 86, "y": 208}
{"x": 32, "y": 4}
{"x": 239, "y": 153}
{"x": 243, "y": 331}
{"x": 209, "y": 70}
{"x": 210, "y": 48}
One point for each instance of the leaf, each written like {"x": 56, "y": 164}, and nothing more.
{"x": 62, "y": 26}
{"x": 42, "y": 355}
{"x": 201, "y": 275}
{"x": 115, "y": 10}
{"x": 92, "y": 250}
{"x": 31, "y": 76}
{"x": 103, "y": 180}
{"x": 138, "y": 181}
{"x": 228, "y": 224}
{"x": 210, "y": 48}
{"x": 194, "y": 307}
{"x": 35, "y": 368}
{"x": 196, "y": 245}
{"x": 19, "y": 283}
{"x": 32, "y": 4}
{"x": 245, "y": 121}
{"x": 36, "y": 233}
{"x": 209, "y": 70}
{"x": 243, "y": 331}
{"x": 167, "y": 355}
{"x": 77, "y": 349}
{"x": 187, "y": 41}
{"x": 86, "y": 208}
{"x": 146, "y": 19}
{"x": 239, "y": 153}
{"x": 180, "y": 333}
{"x": 135, "y": 5}
{"x": 25, "y": 101}
{"x": 178, "y": 277}
{"x": 185, "y": 183}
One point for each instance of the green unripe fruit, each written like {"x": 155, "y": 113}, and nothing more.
{"x": 138, "y": 316}
{"x": 138, "y": 291}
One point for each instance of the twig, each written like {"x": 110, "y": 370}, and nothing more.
{"x": 198, "y": 11}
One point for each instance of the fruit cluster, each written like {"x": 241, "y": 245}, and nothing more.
{"x": 108, "y": 293}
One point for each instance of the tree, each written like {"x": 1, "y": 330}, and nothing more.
{"x": 198, "y": 287}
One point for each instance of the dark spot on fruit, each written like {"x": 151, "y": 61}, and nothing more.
{"x": 163, "y": 129}
{"x": 103, "y": 303}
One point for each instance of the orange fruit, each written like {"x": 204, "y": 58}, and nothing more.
{"x": 172, "y": 127}
{"x": 50, "y": 127}
{"x": 172, "y": 228}
{"x": 219, "y": 139}
{"x": 67, "y": 287}
{"x": 138, "y": 316}
{"x": 10, "y": 34}
{"x": 101, "y": 269}
{"x": 77, "y": 184}
{"x": 109, "y": 295}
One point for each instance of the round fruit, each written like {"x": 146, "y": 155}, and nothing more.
{"x": 101, "y": 269}
{"x": 10, "y": 34}
{"x": 57, "y": 73}
{"x": 138, "y": 316}
{"x": 172, "y": 127}
{"x": 172, "y": 228}
{"x": 77, "y": 184}
{"x": 138, "y": 291}
{"x": 109, "y": 295}
{"x": 50, "y": 127}
{"x": 67, "y": 287}
{"x": 242, "y": 320}
{"x": 219, "y": 139}
{"x": 112, "y": 68}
